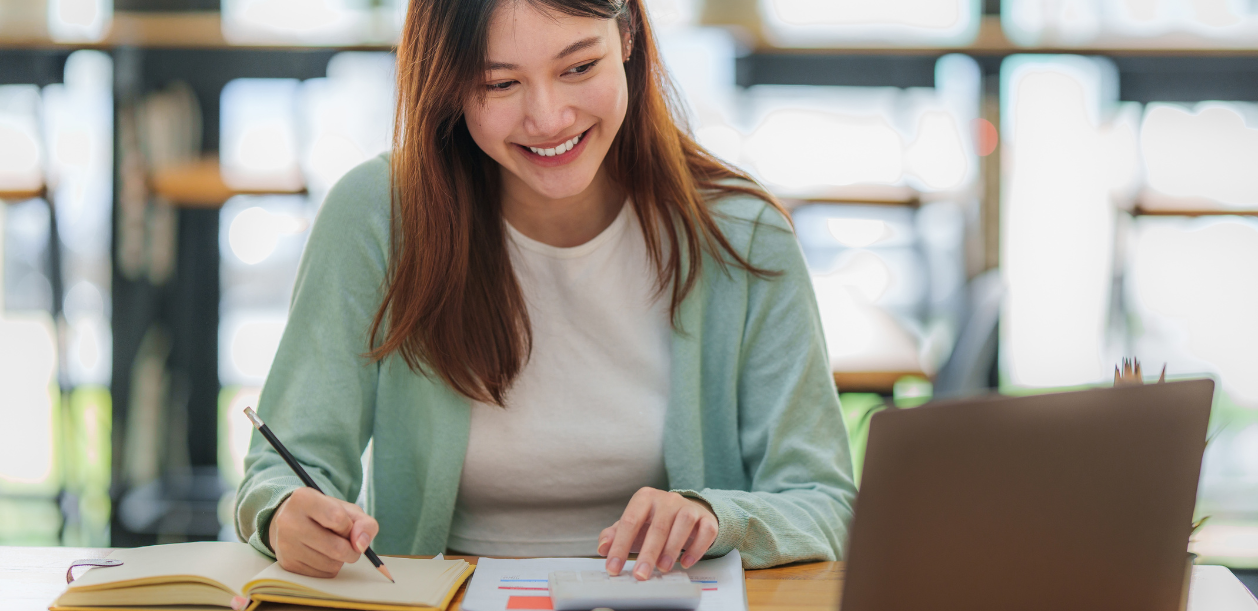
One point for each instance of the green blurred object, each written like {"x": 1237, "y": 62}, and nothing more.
{"x": 858, "y": 408}
{"x": 88, "y": 452}
{"x": 29, "y": 521}
{"x": 77, "y": 484}
{"x": 88, "y": 424}
{"x": 912, "y": 391}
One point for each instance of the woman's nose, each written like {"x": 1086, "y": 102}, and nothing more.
{"x": 548, "y": 112}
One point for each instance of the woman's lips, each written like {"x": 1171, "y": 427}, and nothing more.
{"x": 559, "y": 159}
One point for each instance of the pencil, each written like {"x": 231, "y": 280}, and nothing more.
{"x": 305, "y": 477}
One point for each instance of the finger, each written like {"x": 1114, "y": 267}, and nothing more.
{"x": 656, "y": 536}
{"x": 355, "y": 512}
{"x": 301, "y": 568}
{"x": 299, "y": 558}
{"x": 633, "y": 519}
{"x": 364, "y": 531}
{"x": 331, "y": 514}
{"x": 682, "y": 532}
{"x": 329, "y": 544}
{"x": 705, "y": 534}
{"x": 640, "y": 539}
{"x": 317, "y": 559}
{"x": 605, "y": 538}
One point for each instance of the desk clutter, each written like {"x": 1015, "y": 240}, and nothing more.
{"x": 218, "y": 575}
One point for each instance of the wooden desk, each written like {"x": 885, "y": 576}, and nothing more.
{"x": 31, "y": 577}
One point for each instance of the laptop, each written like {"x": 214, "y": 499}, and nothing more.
{"x": 1073, "y": 501}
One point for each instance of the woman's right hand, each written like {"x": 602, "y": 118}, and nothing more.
{"x": 311, "y": 533}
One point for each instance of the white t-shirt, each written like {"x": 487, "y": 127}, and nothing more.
{"x": 583, "y": 425}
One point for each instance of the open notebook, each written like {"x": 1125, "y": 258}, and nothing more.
{"x": 208, "y": 576}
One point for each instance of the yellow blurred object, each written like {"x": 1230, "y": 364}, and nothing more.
{"x": 1130, "y": 373}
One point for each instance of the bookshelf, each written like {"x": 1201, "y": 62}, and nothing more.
{"x": 200, "y": 184}
{"x": 992, "y": 41}
{"x": 21, "y": 195}
{"x": 1192, "y": 212}
{"x": 880, "y": 382}
{"x": 865, "y": 195}
{"x": 1151, "y": 203}
{"x": 203, "y": 29}
{"x": 158, "y": 30}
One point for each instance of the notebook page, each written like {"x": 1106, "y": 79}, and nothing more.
{"x": 231, "y": 564}
{"x": 419, "y": 581}
{"x": 502, "y": 584}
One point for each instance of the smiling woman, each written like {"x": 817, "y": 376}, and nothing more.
{"x": 566, "y": 328}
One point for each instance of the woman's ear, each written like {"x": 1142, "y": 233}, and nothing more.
{"x": 626, "y": 46}
{"x": 626, "y": 39}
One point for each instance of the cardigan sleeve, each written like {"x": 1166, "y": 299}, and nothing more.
{"x": 793, "y": 440}
{"x": 319, "y": 395}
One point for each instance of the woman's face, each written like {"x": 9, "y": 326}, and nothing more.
{"x": 555, "y": 96}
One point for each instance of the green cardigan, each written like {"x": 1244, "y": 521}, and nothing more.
{"x": 753, "y": 424}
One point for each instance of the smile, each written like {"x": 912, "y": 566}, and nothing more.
{"x": 559, "y": 154}
{"x": 559, "y": 150}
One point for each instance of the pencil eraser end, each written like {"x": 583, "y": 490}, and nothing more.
{"x": 253, "y": 417}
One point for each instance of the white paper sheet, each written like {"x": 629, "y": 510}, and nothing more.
{"x": 1215, "y": 588}
{"x": 508, "y": 585}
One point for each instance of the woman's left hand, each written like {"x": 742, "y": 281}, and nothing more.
{"x": 658, "y": 525}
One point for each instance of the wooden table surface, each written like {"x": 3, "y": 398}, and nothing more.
{"x": 31, "y": 577}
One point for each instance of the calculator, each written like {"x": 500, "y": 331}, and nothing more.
{"x": 585, "y": 590}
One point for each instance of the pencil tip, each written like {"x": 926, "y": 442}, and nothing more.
{"x": 385, "y": 570}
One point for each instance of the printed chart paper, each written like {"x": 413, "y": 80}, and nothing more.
{"x": 510, "y": 585}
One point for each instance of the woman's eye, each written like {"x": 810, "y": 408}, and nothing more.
{"x": 583, "y": 68}
{"x": 503, "y": 86}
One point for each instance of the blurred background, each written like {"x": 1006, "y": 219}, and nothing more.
{"x": 991, "y": 194}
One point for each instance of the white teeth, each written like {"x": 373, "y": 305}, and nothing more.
{"x": 558, "y": 150}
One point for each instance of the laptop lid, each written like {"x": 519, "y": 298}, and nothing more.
{"x": 1078, "y": 500}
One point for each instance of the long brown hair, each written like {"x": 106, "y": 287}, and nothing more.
{"x": 452, "y": 306}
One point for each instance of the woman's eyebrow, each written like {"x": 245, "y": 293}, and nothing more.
{"x": 584, "y": 43}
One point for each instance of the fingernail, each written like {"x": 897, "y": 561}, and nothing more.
{"x": 666, "y": 565}
{"x": 614, "y": 565}
{"x": 642, "y": 571}
{"x": 363, "y": 542}
{"x": 687, "y": 561}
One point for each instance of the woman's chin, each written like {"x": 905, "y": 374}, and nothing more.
{"x": 560, "y": 187}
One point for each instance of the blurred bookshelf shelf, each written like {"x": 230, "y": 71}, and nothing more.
{"x": 1153, "y": 203}
{"x": 1139, "y": 211}
{"x": 200, "y": 184}
{"x": 881, "y": 382}
{"x": 188, "y": 30}
{"x": 991, "y": 40}
{"x": 197, "y": 29}
{"x": 203, "y": 29}
{"x": 20, "y": 195}
{"x": 865, "y": 195}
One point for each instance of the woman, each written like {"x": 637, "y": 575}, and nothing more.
{"x": 568, "y": 329}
